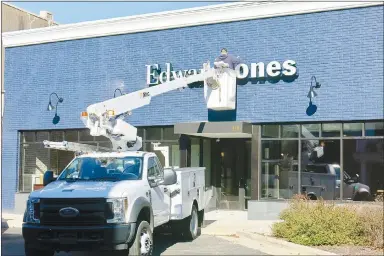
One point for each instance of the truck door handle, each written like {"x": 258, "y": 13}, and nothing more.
{"x": 165, "y": 190}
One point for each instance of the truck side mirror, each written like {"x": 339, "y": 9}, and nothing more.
{"x": 170, "y": 176}
{"x": 48, "y": 178}
{"x": 152, "y": 182}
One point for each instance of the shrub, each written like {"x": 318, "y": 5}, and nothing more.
{"x": 372, "y": 220}
{"x": 320, "y": 223}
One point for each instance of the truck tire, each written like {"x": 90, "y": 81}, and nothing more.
{"x": 37, "y": 252}
{"x": 191, "y": 225}
{"x": 143, "y": 242}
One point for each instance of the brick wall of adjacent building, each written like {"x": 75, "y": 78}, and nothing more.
{"x": 343, "y": 49}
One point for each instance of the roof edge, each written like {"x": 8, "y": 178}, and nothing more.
{"x": 213, "y": 14}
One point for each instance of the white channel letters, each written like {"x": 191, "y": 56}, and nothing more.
{"x": 273, "y": 69}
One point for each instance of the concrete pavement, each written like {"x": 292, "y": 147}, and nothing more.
{"x": 232, "y": 227}
{"x": 13, "y": 245}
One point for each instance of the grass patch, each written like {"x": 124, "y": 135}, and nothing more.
{"x": 316, "y": 223}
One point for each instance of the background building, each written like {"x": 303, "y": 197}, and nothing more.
{"x": 14, "y": 19}
{"x": 247, "y": 152}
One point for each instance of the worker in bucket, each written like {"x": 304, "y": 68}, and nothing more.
{"x": 226, "y": 60}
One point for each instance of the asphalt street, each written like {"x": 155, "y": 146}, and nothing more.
{"x": 13, "y": 245}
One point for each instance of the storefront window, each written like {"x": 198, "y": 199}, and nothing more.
{"x": 353, "y": 129}
{"x": 168, "y": 134}
{"x": 71, "y": 135}
{"x": 29, "y": 136}
{"x": 310, "y": 131}
{"x": 330, "y": 130}
{"x": 35, "y": 160}
{"x": 57, "y": 136}
{"x": 279, "y": 177}
{"x": 140, "y": 132}
{"x": 374, "y": 129}
{"x": 364, "y": 163}
{"x": 207, "y": 161}
{"x": 270, "y": 131}
{"x": 153, "y": 133}
{"x": 41, "y": 136}
{"x": 195, "y": 152}
{"x": 320, "y": 169}
{"x": 85, "y": 135}
{"x": 290, "y": 131}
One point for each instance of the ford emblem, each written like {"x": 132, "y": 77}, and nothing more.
{"x": 68, "y": 212}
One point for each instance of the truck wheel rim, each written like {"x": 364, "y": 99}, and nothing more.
{"x": 193, "y": 225}
{"x": 145, "y": 243}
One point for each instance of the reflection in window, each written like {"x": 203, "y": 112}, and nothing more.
{"x": 331, "y": 130}
{"x": 353, "y": 129}
{"x": 310, "y": 131}
{"x": 290, "y": 131}
{"x": 279, "y": 169}
{"x": 270, "y": 131}
{"x": 374, "y": 129}
{"x": 279, "y": 149}
{"x": 366, "y": 159}
{"x": 320, "y": 169}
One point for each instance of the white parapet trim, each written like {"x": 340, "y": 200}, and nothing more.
{"x": 173, "y": 19}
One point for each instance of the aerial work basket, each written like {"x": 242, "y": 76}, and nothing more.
{"x": 220, "y": 90}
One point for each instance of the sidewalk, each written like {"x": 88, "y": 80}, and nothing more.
{"x": 255, "y": 234}
{"x": 10, "y": 220}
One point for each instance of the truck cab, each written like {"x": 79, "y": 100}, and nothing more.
{"x": 108, "y": 201}
{"x": 352, "y": 188}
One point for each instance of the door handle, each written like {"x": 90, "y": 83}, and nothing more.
{"x": 165, "y": 190}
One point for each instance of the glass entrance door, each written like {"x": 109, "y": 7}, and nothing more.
{"x": 232, "y": 171}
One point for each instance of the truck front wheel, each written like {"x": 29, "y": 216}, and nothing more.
{"x": 37, "y": 252}
{"x": 192, "y": 225}
{"x": 143, "y": 242}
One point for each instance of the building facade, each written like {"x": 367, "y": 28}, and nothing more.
{"x": 260, "y": 151}
{"x": 14, "y": 19}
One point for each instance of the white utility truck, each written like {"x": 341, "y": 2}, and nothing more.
{"x": 112, "y": 199}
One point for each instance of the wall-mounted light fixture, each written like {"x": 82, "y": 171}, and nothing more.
{"x": 114, "y": 93}
{"x": 59, "y": 100}
{"x": 312, "y": 93}
{"x": 56, "y": 118}
{"x": 312, "y": 108}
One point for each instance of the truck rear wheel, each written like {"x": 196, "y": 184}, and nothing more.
{"x": 191, "y": 226}
{"x": 37, "y": 252}
{"x": 143, "y": 242}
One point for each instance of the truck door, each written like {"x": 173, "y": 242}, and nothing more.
{"x": 166, "y": 202}
{"x": 157, "y": 192}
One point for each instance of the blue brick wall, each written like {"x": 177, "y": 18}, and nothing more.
{"x": 343, "y": 49}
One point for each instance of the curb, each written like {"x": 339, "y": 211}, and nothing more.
{"x": 297, "y": 248}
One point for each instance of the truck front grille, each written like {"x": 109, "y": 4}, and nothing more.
{"x": 92, "y": 211}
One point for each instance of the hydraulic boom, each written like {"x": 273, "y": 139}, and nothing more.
{"x": 106, "y": 118}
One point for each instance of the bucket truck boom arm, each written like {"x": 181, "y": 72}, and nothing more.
{"x": 106, "y": 118}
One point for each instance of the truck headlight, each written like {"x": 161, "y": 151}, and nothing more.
{"x": 118, "y": 208}
{"x": 32, "y": 213}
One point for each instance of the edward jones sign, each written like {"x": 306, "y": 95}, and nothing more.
{"x": 273, "y": 69}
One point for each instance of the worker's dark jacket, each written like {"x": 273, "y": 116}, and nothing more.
{"x": 229, "y": 59}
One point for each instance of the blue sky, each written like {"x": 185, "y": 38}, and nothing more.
{"x": 71, "y": 12}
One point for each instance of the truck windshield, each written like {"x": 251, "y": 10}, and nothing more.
{"x": 103, "y": 168}
{"x": 337, "y": 171}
